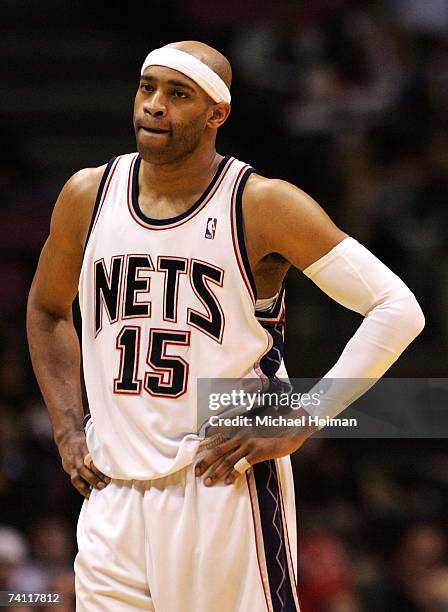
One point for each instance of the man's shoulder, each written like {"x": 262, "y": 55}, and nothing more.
{"x": 261, "y": 186}
{"x": 265, "y": 193}
{"x": 74, "y": 206}
{"x": 85, "y": 182}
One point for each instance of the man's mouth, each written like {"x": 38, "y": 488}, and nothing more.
{"x": 155, "y": 130}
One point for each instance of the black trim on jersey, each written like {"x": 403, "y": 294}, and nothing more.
{"x": 275, "y": 542}
{"x": 274, "y": 312}
{"x": 240, "y": 230}
{"x": 270, "y": 362}
{"x": 184, "y": 215}
{"x": 86, "y": 419}
{"x": 98, "y": 199}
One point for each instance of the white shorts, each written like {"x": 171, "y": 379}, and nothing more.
{"x": 174, "y": 545}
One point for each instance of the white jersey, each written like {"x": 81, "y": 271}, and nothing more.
{"x": 163, "y": 302}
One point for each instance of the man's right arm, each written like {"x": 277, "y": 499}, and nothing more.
{"x": 53, "y": 341}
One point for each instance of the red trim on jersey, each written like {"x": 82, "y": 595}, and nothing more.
{"x": 269, "y": 609}
{"x": 179, "y": 223}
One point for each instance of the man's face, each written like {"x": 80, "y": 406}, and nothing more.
{"x": 170, "y": 115}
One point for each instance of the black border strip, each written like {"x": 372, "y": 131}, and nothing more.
{"x": 86, "y": 419}
{"x": 98, "y": 199}
{"x": 270, "y": 505}
{"x": 162, "y": 222}
{"x": 240, "y": 229}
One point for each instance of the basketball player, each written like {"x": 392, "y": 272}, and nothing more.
{"x": 179, "y": 256}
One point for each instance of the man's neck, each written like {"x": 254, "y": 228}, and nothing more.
{"x": 181, "y": 181}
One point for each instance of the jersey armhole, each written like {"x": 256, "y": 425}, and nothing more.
{"x": 276, "y": 313}
{"x": 99, "y": 197}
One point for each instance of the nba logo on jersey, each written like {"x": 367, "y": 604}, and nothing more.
{"x": 211, "y": 228}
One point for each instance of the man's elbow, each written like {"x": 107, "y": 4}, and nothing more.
{"x": 417, "y": 316}
{"x": 34, "y": 310}
{"x": 411, "y": 316}
{"x": 400, "y": 318}
{"x": 40, "y": 314}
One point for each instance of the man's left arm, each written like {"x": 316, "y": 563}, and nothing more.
{"x": 350, "y": 274}
{"x": 289, "y": 222}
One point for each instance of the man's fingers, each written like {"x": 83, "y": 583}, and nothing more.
{"x": 256, "y": 455}
{"x": 225, "y": 467}
{"x": 101, "y": 476}
{"x": 220, "y": 461}
{"x": 224, "y": 456}
{"x": 232, "y": 476}
{"x": 254, "y": 451}
{"x": 80, "y": 485}
{"x": 212, "y": 455}
{"x": 90, "y": 477}
{"x": 252, "y": 458}
{"x": 88, "y": 462}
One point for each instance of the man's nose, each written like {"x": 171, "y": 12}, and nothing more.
{"x": 156, "y": 105}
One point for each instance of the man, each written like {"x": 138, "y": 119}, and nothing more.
{"x": 174, "y": 250}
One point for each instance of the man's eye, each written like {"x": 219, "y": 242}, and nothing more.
{"x": 145, "y": 87}
{"x": 179, "y": 94}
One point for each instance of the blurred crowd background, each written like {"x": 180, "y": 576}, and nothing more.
{"x": 348, "y": 100}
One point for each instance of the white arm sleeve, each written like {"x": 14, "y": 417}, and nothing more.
{"x": 355, "y": 278}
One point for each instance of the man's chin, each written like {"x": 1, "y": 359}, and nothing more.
{"x": 155, "y": 155}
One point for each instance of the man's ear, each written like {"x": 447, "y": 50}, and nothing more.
{"x": 218, "y": 114}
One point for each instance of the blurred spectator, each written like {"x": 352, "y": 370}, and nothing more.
{"x": 13, "y": 553}
{"x": 52, "y": 553}
{"x": 420, "y": 570}
{"x": 326, "y": 576}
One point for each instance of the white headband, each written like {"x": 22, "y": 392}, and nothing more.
{"x": 193, "y": 68}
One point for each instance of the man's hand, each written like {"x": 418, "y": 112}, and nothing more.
{"x": 73, "y": 449}
{"x": 223, "y": 457}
